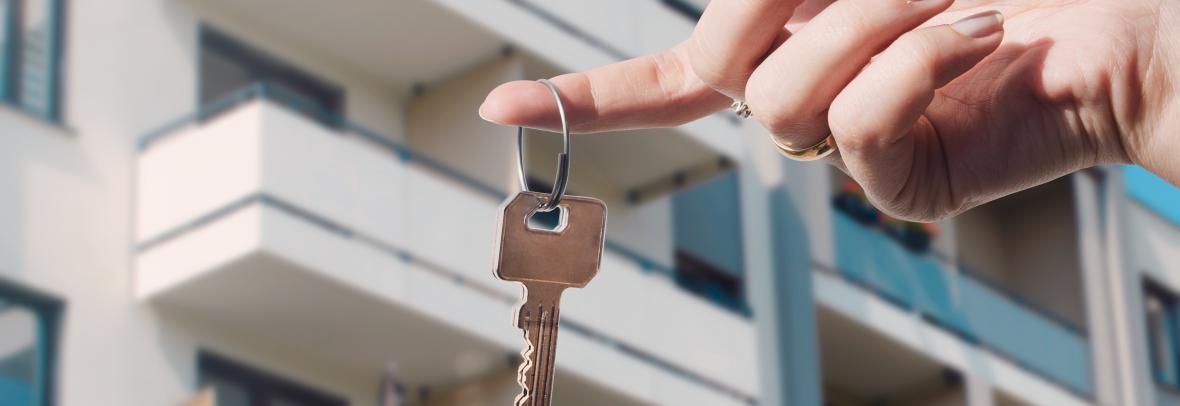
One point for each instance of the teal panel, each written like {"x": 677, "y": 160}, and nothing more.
{"x": 707, "y": 222}
{"x": 16, "y": 393}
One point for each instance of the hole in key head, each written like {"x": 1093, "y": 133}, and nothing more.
{"x": 552, "y": 221}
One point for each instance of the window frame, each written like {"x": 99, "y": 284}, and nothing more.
{"x": 1171, "y": 328}
{"x": 13, "y": 64}
{"x": 260, "y": 385}
{"x": 317, "y": 98}
{"x": 48, "y": 311}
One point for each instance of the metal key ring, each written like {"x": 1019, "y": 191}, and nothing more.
{"x": 563, "y": 158}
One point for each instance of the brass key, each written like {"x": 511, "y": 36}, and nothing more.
{"x": 546, "y": 262}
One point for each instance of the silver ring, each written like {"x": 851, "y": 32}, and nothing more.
{"x": 563, "y": 158}
{"x": 740, "y": 108}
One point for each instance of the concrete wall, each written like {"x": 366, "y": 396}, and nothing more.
{"x": 444, "y": 126}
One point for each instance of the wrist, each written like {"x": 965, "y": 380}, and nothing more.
{"x": 1157, "y": 148}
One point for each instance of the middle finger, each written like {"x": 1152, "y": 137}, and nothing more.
{"x": 791, "y": 90}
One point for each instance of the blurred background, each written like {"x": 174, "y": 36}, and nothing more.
{"x": 293, "y": 202}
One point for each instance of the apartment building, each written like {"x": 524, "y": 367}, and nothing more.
{"x": 286, "y": 202}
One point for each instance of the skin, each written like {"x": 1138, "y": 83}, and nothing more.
{"x": 929, "y": 119}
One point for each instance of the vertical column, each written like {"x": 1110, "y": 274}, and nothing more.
{"x": 979, "y": 390}
{"x": 778, "y": 264}
{"x": 1112, "y": 294}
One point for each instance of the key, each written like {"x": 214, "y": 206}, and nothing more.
{"x": 546, "y": 262}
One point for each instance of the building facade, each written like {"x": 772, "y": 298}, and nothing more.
{"x": 294, "y": 203}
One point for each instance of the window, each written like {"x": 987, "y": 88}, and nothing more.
{"x": 235, "y": 384}
{"x": 1159, "y": 308}
{"x": 708, "y": 241}
{"x": 27, "y": 346}
{"x": 30, "y": 52}
{"x": 228, "y": 66}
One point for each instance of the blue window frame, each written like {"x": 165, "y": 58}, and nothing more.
{"x": 27, "y": 347}
{"x": 236, "y": 384}
{"x": 30, "y": 55}
{"x": 1160, "y": 312}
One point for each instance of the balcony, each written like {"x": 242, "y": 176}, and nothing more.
{"x": 335, "y": 240}
{"x": 950, "y": 297}
{"x": 383, "y": 41}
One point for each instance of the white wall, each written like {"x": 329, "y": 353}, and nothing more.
{"x": 130, "y": 66}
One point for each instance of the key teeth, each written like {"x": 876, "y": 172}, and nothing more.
{"x": 522, "y": 372}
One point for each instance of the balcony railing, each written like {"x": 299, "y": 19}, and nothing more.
{"x": 295, "y": 103}
{"x": 963, "y": 305}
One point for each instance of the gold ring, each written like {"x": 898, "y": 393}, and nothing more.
{"x": 821, "y": 149}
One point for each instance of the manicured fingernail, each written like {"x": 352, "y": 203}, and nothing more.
{"x": 980, "y": 25}
{"x": 485, "y": 118}
{"x": 484, "y": 115}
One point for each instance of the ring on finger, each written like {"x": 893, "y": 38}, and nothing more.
{"x": 740, "y": 108}
{"x": 818, "y": 151}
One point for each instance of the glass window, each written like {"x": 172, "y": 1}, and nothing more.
{"x": 708, "y": 241}
{"x": 38, "y": 32}
{"x": 236, "y": 384}
{"x": 30, "y": 44}
{"x": 229, "y": 66}
{"x": 5, "y": 49}
{"x": 1159, "y": 307}
{"x": 26, "y": 348}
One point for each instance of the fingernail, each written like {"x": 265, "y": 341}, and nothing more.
{"x": 481, "y": 115}
{"x": 980, "y": 25}
{"x": 484, "y": 115}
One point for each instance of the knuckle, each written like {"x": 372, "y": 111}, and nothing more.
{"x": 779, "y": 115}
{"x": 846, "y": 122}
{"x": 713, "y": 68}
{"x": 917, "y": 51}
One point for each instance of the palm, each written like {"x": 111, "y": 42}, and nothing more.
{"x": 1041, "y": 106}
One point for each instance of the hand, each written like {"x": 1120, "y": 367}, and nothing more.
{"x": 961, "y": 104}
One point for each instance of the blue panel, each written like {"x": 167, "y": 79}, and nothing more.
{"x": 961, "y": 305}
{"x": 1030, "y": 339}
{"x": 708, "y": 223}
{"x": 872, "y": 259}
{"x": 1155, "y": 193}
{"x": 16, "y": 393}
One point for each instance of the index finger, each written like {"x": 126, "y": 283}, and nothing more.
{"x": 658, "y": 90}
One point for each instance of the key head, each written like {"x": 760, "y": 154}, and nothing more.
{"x": 568, "y": 255}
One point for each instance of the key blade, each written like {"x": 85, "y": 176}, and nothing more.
{"x": 569, "y": 255}
{"x": 538, "y": 316}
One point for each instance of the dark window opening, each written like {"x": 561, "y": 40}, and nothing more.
{"x": 229, "y": 66}
{"x": 235, "y": 384}
{"x": 30, "y": 55}
{"x": 29, "y": 325}
{"x": 719, "y": 286}
{"x": 1159, "y": 307}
